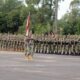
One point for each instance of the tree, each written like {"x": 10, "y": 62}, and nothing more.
{"x": 75, "y": 4}
{"x": 13, "y": 21}
{"x": 75, "y": 10}
{"x": 9, "y": 5}
{"x": 71, "y": 20}
{"x": 10, "y": 16}
{"x": 44, "y": 13}
{"x": 1, "y": 4}
{"x": 3, "y": 27}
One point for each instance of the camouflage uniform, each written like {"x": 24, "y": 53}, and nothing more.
{"x": 28, "y": 47}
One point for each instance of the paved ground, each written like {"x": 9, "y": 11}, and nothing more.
{"x": 14, "y": 66}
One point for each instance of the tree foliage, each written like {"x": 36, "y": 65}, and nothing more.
{"x": 10, "y": 16}
{"x": 71, "y": 21}
{"x": 13, "y": 15}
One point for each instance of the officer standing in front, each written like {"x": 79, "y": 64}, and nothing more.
{"x": 29, "y": 46}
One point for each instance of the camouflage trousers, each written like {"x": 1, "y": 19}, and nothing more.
{"x": 29, "y": 50}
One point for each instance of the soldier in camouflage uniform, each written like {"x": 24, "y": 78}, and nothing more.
{"x": 29, "y": 46}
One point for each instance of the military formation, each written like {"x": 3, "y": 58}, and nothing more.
{"x": 46, "y": 44}
{"x": 9, "y": 42}
{"x": 58, "y": 44}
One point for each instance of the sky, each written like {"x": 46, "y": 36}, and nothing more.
{"x": 63, "y": 8}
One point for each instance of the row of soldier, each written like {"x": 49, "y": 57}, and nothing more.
{"x": 56, "y": 44}
{"x": 11, "y": 42}
{"x": 68, "y": 48}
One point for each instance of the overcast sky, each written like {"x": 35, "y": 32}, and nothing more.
{"x": 63, "y": 8}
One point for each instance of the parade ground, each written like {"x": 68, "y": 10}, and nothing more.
{"x": 14, "y": 66}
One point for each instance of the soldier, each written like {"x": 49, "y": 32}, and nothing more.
{"x": 29, "y": 46}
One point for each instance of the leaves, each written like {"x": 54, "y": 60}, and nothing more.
{"x": 13, "y": 15}
{"x": 71, "y": 21}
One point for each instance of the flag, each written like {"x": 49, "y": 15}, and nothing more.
{"x": 28, "y": 25}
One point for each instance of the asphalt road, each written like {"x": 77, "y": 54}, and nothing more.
{"x": 14, "y": 66}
